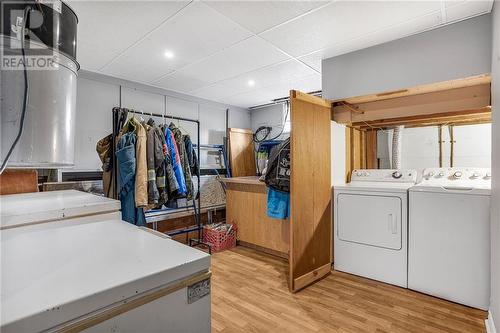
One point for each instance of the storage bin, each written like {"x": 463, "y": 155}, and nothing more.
{"x": 221, "y": 236}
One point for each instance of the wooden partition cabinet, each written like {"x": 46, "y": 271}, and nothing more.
{"x": 310, "y": 192}
{"x": 305, "y": 238}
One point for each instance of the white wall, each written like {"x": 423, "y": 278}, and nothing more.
{"x": 454, "y": 51}
{"x": 420, "y": 147}
{"x": 98, "y": 94}
{"x": 495, "y": 197}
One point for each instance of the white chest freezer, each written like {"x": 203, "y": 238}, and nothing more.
{"x": 103, "y": 276}
{"x": 18, "y": 210}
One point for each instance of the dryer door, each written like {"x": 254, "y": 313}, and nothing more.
{"x": 370, "y": 219}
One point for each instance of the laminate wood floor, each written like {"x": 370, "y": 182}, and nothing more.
{"x": 250, "y": 294}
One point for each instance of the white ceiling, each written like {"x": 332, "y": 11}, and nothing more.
{"x": 220, "y": 47}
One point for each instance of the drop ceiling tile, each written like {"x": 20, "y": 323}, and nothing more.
{"x": 313, "y": 60}
{"x": 342, "y": 21}
{"x": 258, "y": 16}
{"x": 408, "y": 28}
{"x": 196, "y": 32}
{"x": 216, "y": 91}
{"x": 180, "y": 82}
{"x": 248, "y": 55}
{"x": 459, "y": 10}
{"x": 265, "y": 95}
{"x": 253, "y": 98}
{"x": 106, "y": 29}
{"x": 282, "y": 73}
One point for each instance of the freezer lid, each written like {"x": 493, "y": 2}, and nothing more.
{"x": 53, "y": 273}
{"x": 30, "y": 208}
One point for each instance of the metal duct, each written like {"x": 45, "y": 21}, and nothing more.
{"x": 397, "y": 138}
{"x": 48, "y": 135}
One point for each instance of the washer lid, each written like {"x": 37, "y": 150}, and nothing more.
{"x": 52, "y": 273}
{"x": 455, "y": 180}
{"x": 450, "y": 189}
{"x": 29, "y": 208}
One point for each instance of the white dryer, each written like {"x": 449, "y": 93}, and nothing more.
{"x": 370, "y": 225}
{"x": 449, "y": 235}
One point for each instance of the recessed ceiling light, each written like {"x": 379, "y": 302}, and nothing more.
{"x": 169, "y": 54}
{"x": 251, "y": 83}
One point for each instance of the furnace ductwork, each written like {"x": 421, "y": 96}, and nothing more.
{"x": 397, "y": 138}
{"x": 47, "y": 140}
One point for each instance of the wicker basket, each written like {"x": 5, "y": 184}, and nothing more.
{"x": 219, "y": 238}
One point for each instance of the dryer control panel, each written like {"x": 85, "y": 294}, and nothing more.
{"x": 384, "y": 175}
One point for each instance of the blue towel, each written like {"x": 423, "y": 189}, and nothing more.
{"x": 278, "y": 204}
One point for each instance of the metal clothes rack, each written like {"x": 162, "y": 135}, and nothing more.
{"x": 196, "y": 208}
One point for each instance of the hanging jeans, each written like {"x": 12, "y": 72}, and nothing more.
{"x": 125, "y": 155}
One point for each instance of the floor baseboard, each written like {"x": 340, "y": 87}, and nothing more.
{"x": 490, "y": 324}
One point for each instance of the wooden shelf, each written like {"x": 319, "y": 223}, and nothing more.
{"x": 458, "y": 101}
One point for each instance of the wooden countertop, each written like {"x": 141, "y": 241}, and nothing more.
{"x": 251, "y": 180}
{"x": 245, "y": 184}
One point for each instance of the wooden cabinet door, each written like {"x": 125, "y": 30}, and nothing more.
{"x": 310, "y": 194}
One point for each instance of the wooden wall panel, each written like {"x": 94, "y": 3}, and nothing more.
{"x": 371, "y": 149}
{"x": 310, "y": 221}
{"x": 241, "y": 151}
{"x": 246, "y": 206}
{"x": 361, "y": 150}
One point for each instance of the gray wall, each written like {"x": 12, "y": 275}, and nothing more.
{"x": 454, "y": 51}
{"x": 495, "y": 198}
{"x": 98, "y": 94}
{"x": 268, "y": 116}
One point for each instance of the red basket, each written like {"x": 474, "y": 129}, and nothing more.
{"x": 220, "y": 240}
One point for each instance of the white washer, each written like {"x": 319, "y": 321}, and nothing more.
{"x": 370, "y": 225}
{"x": 449, "y": 235}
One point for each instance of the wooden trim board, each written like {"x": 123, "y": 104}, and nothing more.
{"x": 456, "y": 117}
{"x": 420, "y": 89}
{"x": 311, "y": 277}
{"x": 279, "y": 254}
{"x": 298, "y": 95}
{"x": 422, "y": 105}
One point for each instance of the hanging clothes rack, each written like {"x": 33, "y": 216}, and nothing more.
{"x": 195, "y": 206}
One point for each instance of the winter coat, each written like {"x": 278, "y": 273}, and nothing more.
{"x": 278, "y": 167}
{"x": 141, "y": 181}
{"x": 186, "y": 170}
{"x": 153, "y": 194}
{"x": 191, "y": 156}
{"x": 104, "y": 150}
{"x": 125, "y": 156}
{"x": 173, "y": 151}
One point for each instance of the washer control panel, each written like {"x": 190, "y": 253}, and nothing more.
{"x": 384, "y": 175}
{"x": 451, "y": 176}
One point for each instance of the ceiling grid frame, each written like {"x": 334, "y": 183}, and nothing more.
{"x": 306, "y": 59}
